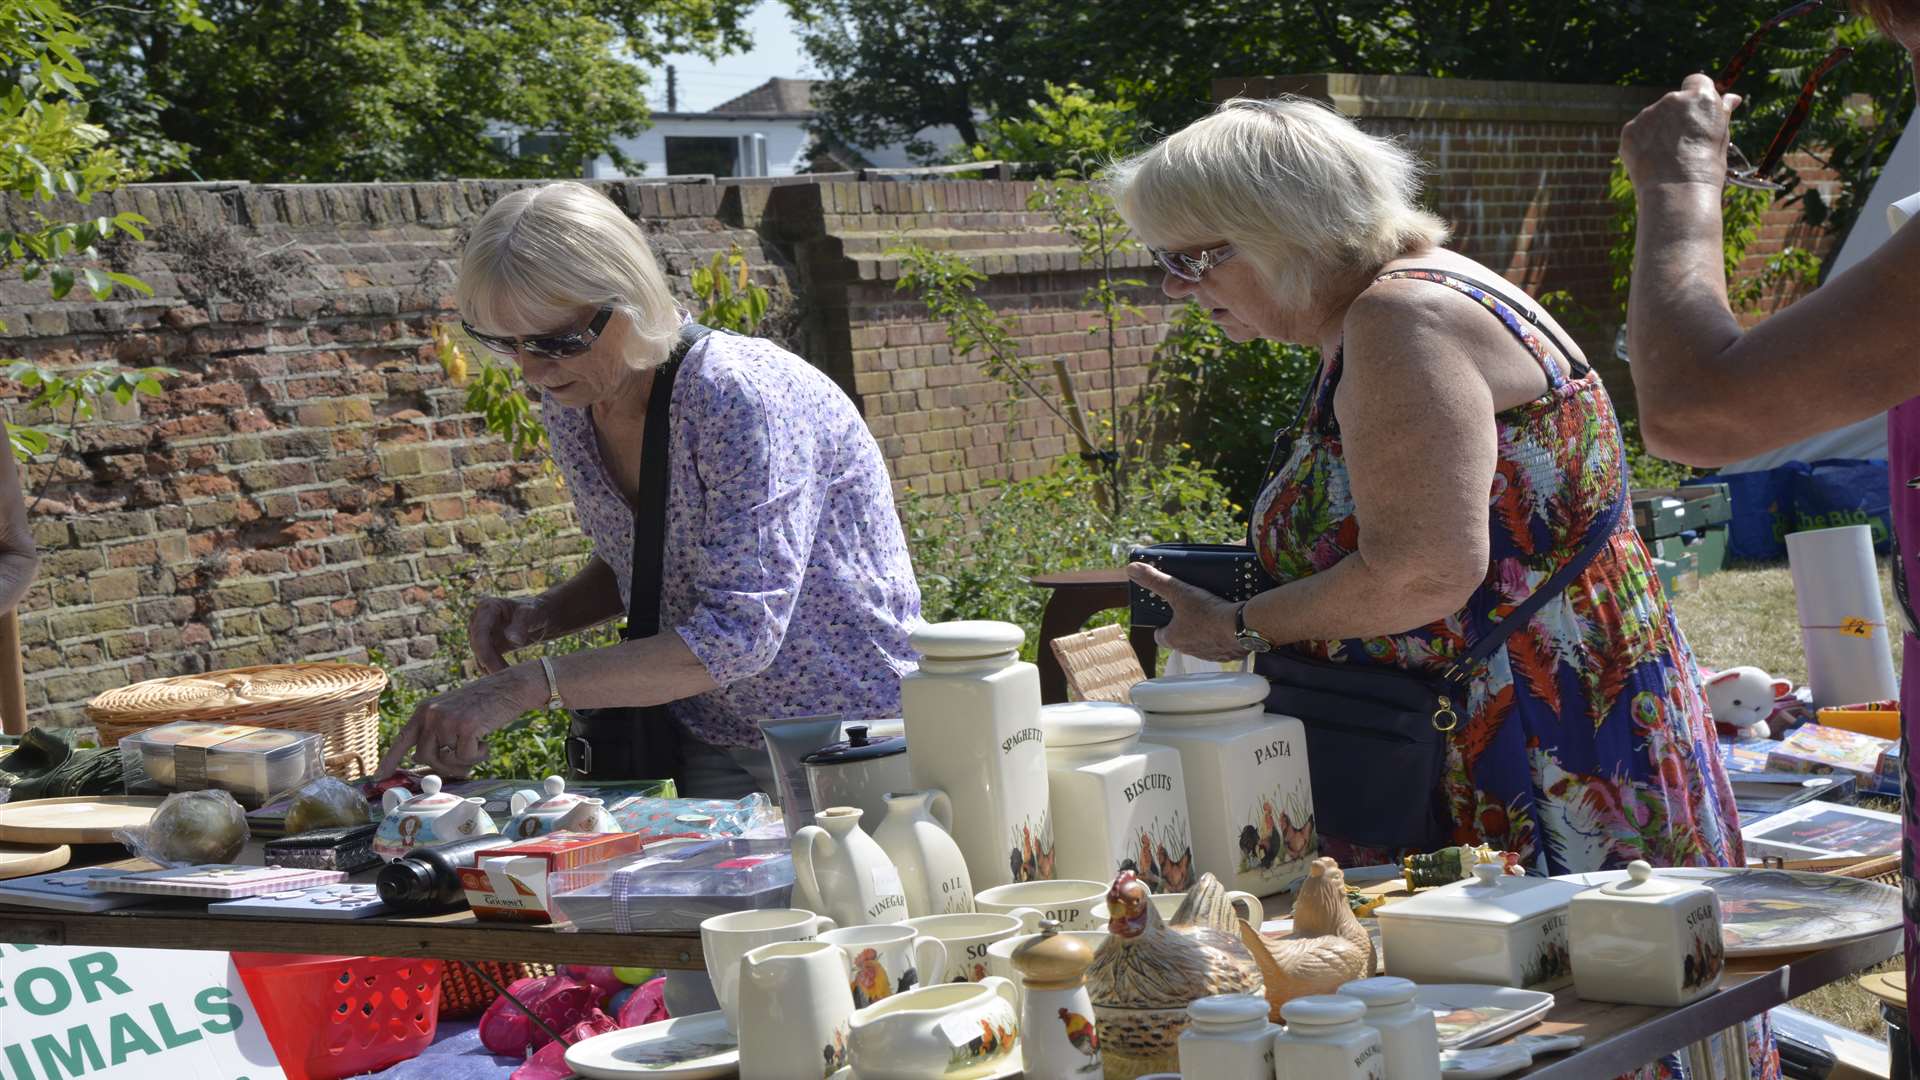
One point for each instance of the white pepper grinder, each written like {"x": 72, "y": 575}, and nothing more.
{"x": 1057, "y": 1028}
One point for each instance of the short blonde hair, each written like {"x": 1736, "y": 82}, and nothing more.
{"x": 1300, "y": 190}
{"x": 541, "y": 253}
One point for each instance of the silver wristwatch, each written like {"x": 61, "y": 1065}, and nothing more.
{"x": 1249, "y": 638}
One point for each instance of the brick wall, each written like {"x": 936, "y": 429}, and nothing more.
{"x": 298, "y": 491}
{"x": 301, "y": 490}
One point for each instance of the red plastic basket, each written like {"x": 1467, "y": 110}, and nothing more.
{"x": 336, "y": 1016}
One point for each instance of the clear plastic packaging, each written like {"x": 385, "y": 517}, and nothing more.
{"x": 191, "y": 828}
{"x": 327, "y": 803}
{"x": 699, "y": 817}
{"x": 256, "y": 765}
{"x": 674, "y": 886}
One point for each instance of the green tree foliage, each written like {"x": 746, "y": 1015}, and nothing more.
{"x": 903, "y": 65}
{"x": 357, "y": 90}
{"x": 1071, "y": 133}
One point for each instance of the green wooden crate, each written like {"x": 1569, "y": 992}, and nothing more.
{"x": 1678, "y": 575}
{"x": 1708, "y": 548}
{"x": 1698, "y": 506}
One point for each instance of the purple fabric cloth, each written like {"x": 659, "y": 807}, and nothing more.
{"x": 787, "y": 570}
{"x": 456, "y": 1054}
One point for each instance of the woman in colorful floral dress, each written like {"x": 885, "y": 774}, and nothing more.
{"x": 1451, "y": 459}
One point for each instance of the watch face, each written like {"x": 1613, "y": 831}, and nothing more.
{"x": 1254, "y": 642}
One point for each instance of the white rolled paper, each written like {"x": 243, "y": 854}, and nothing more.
{"x": 1843, "y": 624}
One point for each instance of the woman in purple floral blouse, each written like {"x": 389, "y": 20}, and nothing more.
{"x": 787, "y": 590}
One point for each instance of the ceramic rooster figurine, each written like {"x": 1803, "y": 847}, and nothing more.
{"x": 1328, "y": 945}
{"x": 1147, "y": 972}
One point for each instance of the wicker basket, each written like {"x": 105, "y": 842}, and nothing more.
{"x": 464, "y": 993}
{"x": 339, "y": 701}
{"x": 1100, "y": 664}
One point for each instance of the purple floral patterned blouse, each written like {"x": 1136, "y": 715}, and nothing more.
{"x": 786, "y": 567}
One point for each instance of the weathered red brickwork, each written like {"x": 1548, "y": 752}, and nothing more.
{"x": 300, "y": 491}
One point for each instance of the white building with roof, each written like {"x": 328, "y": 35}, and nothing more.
{"x": 763, "y": 132}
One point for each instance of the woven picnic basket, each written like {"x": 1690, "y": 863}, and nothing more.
{"x": 1100, "y": 664}
{"x": 464, "y": 993}
{"x": 339, "y": 701}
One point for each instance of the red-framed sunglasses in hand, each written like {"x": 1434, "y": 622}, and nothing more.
{"x": 1739, "y": 170}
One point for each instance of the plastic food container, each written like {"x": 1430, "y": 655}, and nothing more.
{"x": 337, "y": 1016}
{"x": 256, "y": 765}
{"x": 674, "y": 886}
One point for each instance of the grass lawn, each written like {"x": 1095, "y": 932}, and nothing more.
{"x": 1745, "y": 615}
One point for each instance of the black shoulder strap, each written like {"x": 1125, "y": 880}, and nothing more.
{"x": 650, "y": 510}
{"x": 1578, "y": 367}
{"x": 1603, "y": 528}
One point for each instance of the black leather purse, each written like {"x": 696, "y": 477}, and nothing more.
{"x": 1231, "y": 571}
{"x": 1377, "y": 735}
{"x": 640, "y": 742}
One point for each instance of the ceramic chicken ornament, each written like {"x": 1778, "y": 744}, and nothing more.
{"x": 1148, "y": 971}
{"x": 1327, "y": 947}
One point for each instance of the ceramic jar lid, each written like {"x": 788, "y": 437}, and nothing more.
{"x": 430, "y": 797}
{"x": 1323, "y": 1010}
{"x": 1491, "y": 897}
{"x": 1088, "y": 723}
{"x": 857, "y": 747}
{"x": 1383, "y": 991}
{"x": 1211, "y": 691}
{"x": 1641, "y": 883}
{"x": 966, "y": 639}
{"x": 1228, "y": 1010}
{"x": 554, "y": 796}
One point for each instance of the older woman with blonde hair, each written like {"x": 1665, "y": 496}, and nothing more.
{"x": 1447, "y": 513}
{"x": 739, "y": 509}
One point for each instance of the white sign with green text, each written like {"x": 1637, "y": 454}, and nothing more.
{"x": 127, "y": 1014}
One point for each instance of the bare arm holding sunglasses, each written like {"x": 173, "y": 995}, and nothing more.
{"x": 1709, "y": 391}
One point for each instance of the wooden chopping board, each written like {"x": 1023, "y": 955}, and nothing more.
{"x": 20, "y": 860}
{"x": 1888, "y": 986}
{"x": 86, "y": 819}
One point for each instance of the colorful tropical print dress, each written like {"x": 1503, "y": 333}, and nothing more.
{"x": 1586, "y": 743}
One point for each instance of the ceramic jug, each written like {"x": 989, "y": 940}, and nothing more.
{"x": 839, "y": 872}
{"x": 972, "y": 712}
{"x": 555, "y": 810}
{"x": 429, "y": 818}
{"x": 797, "y": 996}
{"x": 917, "y": 836}
{"x": 952, "y": 1032}
{"x": 1057, "y": 1026}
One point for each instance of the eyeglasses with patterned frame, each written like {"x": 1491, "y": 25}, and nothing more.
{"x": 1191, "y": 268}
{"x": 1740, "y": 171}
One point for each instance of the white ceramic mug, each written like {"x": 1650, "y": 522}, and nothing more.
{"x": 796, "y": 992}
{"x": 887, "y": 960}
{"x": 966, "y": 938}
{"x": 726, "y": 938}
{"x": 1246, "y": 905}
{"x": 937, "y": 1033}
{"x": 1000, "y": 955}
{"x": 1075, "y": 905}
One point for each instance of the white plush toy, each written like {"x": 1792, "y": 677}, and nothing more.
{"x": 1743, "y": 698}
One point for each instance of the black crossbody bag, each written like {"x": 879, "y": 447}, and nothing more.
{"x": 642, "y": 742}
{"x": 1376, "y": 735}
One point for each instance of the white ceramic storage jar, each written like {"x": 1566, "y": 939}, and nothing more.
{"x": 1647, "y": 940}
{"x": 1407, "y": 1032}
{"x": 1498, "y": 929}
{"x": 1228, "y": 1037}
{"x": 1325, "y": 1039}
{"x": 1118, "y": 803}
{"x": 1246, "y": 776}
{"x": 972, "y": 712}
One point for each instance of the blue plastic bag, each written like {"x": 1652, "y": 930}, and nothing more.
{"x": 1763, "y": 510}
{"x": 1838, "y": 492}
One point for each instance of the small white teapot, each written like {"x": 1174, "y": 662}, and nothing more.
{"x": 945, "y": 1032}
{"x": 429, "y": 818}
{"x": 535, "y": 814}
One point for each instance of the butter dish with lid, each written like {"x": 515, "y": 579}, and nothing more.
{"x": 1495, "y": 928}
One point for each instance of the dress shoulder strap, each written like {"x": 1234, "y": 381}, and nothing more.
{"x": 1518, "y": 318}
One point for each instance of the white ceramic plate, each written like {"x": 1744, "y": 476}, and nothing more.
{"x": 1785, "y": 911}
{"x": 1470, "y": 1015}
{"x": 693, "y": 1047}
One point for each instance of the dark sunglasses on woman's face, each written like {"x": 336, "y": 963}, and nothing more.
{"x": 1191, "y": 268}
{"x": 1739, "y": 170}
{"x": 552, "y": 346}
